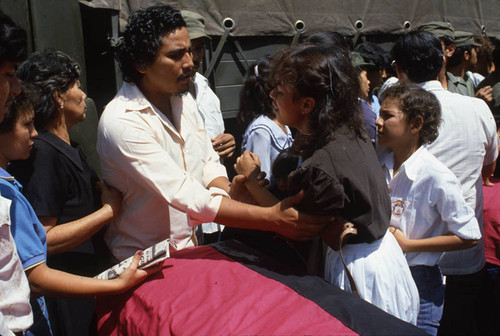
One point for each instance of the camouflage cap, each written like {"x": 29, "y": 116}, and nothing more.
{"x": 463, "y": 39}
{"x": 358, "y": 61}
{"x": 195, "y": 24}
{"x": 440, "y": 29}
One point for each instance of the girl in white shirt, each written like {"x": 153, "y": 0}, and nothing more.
{"x": 429, "y": 214}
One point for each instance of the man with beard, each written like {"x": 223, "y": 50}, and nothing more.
{"x": 154, "y": 148}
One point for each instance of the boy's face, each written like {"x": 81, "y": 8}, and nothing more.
{"x": 393, "y": 128}
{"x": 17, "y": 143}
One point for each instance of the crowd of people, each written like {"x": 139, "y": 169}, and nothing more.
{"x": 402, "y": 160}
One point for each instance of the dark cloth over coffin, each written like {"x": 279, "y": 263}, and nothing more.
{"x": 230, "y": 289}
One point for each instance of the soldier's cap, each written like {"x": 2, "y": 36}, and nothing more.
{"x": 358, "y": 61}
{"x": 463, "y": 39}
{"x": 195, "y": 24}
{"x": 439, "y": 29}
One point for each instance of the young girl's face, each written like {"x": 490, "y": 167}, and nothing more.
{"x": 287, "y": 107}
{"x": 17, "y": 143}
{"x": 393, "y": 127}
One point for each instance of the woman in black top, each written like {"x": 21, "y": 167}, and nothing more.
{"x": 316, "y": 91}
{"x": 62, "y": 186}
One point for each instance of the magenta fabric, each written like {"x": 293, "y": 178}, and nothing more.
{"x": 202, "y": 292}
{"x": 491, "y": 211}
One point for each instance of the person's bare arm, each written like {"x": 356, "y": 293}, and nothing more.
{"x": 64, "y": 237}
{"x": 281, "y": 218}
{"x": 487, "y": 172}
{"x": 220, "y": 182}
{"x": 442, "y": 243}
{"x": 46, "y": 281}
{"x": 248, "y": 165}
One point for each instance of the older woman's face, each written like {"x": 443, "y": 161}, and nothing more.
{"x": 74, "y": 104}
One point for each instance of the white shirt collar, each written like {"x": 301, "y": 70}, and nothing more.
{"x": 433, "y": 85}
{"x": 133, "y": 98}
{"x": 413, "y": 164}
{"x": 410, "y": 167}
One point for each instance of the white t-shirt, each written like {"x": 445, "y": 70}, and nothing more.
{"x": 15, "y": 308}
{"x": 467, "y": 140}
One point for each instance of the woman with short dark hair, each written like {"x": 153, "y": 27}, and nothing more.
{"x": 60, "y": 184}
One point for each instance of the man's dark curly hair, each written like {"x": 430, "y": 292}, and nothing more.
{"x": 327, "y": 76}
{"x": 414, "y": 101}
{"x": 420, "y": 55}
{"x": 142, "y": 38}
{"x": 13, "y": 45}
{"x": 373, "y": 53}
{"x": 50, "y": 73}
{"x": 254, "y": 96}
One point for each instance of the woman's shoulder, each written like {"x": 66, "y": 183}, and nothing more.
{"x": 260, "y": 122}
{"x": 263, "y": 126}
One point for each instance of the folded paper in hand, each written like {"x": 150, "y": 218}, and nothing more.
{"x": 150, "y": 256}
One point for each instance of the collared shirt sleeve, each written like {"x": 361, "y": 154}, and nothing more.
{"x": 323, "y": 194}
{"x": 212, "y": 168}
{"x": 447, "y": 197}
{"x": 28, "y": 233}
{"x": 259, "y": 142}
{"x": 130, "y": 145}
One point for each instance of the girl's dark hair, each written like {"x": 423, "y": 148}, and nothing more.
{"x": 414, "y": 101}
{"x": 48, "y": 72}
{"x": 20, "y": 105}
{"x": 327, "y": 76}
{"x": 254, "y": 96}
{"x": 286, "y": 162}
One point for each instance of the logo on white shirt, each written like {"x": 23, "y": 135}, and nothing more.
{"x": 398, "y": 207}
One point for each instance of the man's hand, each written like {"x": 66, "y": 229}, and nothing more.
{"x": 486, "y": 94}
{"x": 296, "y": 225}
{"x": 224, "y": 145}
{"x": 248, "y": 164}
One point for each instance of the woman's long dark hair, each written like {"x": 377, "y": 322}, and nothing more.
{"x": 327, "y": 75}
{"x": 254, "y": 96}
